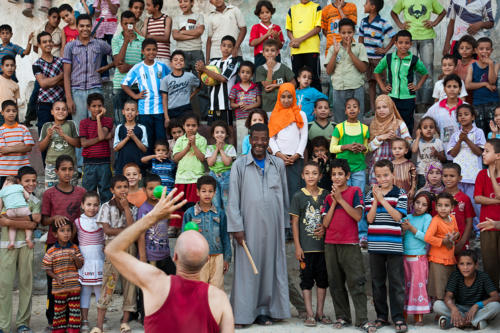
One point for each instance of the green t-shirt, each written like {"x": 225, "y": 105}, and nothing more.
{"x": 416, "y": 12}
{"x": 400, "y": 70}
{"x": 35, "y": 206}
{"x": 356, "y": 161}
{"x": 315, "y": 130}
{"x": 57, "y": 145}
{"x": 308, "y": 209}
{"x": 219, "y": 166}
{"x": 189, "y": 168}
{"x": 280, "y": 75}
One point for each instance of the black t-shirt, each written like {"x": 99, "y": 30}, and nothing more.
{"x": 477, "y": 292}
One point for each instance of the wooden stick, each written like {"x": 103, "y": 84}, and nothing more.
{"x": 255, "y": 271}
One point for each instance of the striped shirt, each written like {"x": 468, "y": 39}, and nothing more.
{"x": 58, "y": 259}
{"x": 148, "y": 78}
{"x": 248, "y": 97}
{"x": 384, "y": 234}
{"x": 132, "y": 55}
{"x": 465, "y": 13}
{"x": 373, "y": 34}
{"x": 84, "y": 61}
{"x": 219, "y": 94}
{"x": 11, "y": 136}
{"x": 89, "y": 233}
{"x": 10, "y": 49}
{"x": 166, "y": 171}
{"x": 100, "y": 150}
{"x": 156, "y": 27}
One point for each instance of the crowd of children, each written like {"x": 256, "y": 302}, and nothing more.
{"x": 353, "y": 184}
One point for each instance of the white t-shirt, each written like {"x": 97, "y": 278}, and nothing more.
{"x": 464, "y": 13}
{"x": 219, "y": 25}
{"x": 188, "y": 22}
{"x": 446, "y": 120}
{"x": 424, "y": 157}
{"x": 439, "y": 93}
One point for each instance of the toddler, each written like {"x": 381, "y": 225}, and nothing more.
{"x": 441, "y": 235}
{"x": 429, "y": 148}
{"x": 175, "y": 131}
{"x": 433, "y": 179}
{"x": 13, "y": 198}
{"x": 495, "y": 125}
{"x": 162, "y": 165}
{"x": 307, "y": 95}
{"x": 405, "y": 175}
{"x": 318, "y": 148}
{"x": 91, "y": 243}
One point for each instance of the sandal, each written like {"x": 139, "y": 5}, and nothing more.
{"x": 401, "y": 326}
{"x": 444, "y": 323}
{"x": 96, "y": 330}
{"x": 125, "y": 328}
{"x": 325, "y": 320}
{"x": 84, "y": 328}
{"x": 310, "y": 322}
{"x": 263, "y": 320}
{"x": 379, "y": 323}
{"x": 369, "y": 327}
{"x": 340, "y": 323}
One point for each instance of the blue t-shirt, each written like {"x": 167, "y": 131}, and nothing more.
{"x": 166, "y": 171}
{"x": 490, "y": 134}
{"x": 306, "y": 98}
{"x": 245, "y": 145}
{"x": 261, "y": 163}
{"x": 482, "y": 95}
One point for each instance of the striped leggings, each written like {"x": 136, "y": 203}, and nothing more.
{"x": 66, "y": 312}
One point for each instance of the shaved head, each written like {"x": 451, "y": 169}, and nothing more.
{"x": 191, "y": 251}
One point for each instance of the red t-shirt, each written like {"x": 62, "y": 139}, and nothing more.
{"x": 463, "y": 210}
{"x": 343, "y": 229}
{"x": 484, "y": 187}
{"x": 88, "y": 130}
{"x": 259, "y": 30}
{"x": 57, "y": 202}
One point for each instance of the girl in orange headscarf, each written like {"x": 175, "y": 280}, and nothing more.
{"x": 385, "y": 126}
{"x": 288, "y": 135}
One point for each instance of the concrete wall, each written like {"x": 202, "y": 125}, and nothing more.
{"x": 22, "y": 26}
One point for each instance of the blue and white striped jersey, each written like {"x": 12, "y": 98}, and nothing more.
{"x": 148, "y": 78}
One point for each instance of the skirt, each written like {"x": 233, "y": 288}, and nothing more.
{"x": 91, "y": 272}
{"x": 416, "y": 272}
{"x": 438, "y": 278}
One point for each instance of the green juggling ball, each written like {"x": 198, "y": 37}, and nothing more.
{"x": 158, "y": 191}
{"x": 191, "y": 226}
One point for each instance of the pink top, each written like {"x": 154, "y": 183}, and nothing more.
{"x": 259, "y": 30}
{"x": 110, "y": 21}
{"x": 89, "y": 233}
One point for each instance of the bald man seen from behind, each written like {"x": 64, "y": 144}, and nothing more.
{"x": 173, "y": 303}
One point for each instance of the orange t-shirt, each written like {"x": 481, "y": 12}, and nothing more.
{"x": 438, "y": 253}
{"x": 330, "y": 18}
{"x": 137, "y": 198}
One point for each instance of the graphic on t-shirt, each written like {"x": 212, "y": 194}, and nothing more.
{"x": 189, "y": 24}
{"x": 417, "y": 13}
{"x": 73, "y": 208}
{"x": 58, "y": 143}
{"x": 312, "y": 220}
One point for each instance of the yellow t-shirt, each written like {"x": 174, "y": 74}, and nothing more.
{"x": 301, "y": 19}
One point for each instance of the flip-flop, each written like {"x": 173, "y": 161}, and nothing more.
{"x": 310, "y": 322}
{"x": 340, "y": 323}
{"x": 369, "y": 327}
{"x": 381, "y": 323}
{"x": 401, "y": 326}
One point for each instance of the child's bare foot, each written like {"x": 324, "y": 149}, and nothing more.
{"x": 10, "y": 246}
{"x": 30, "y": 243}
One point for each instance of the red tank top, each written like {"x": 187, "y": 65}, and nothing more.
{"x": 185, "y": 310}
{"x": 156, "y": 27}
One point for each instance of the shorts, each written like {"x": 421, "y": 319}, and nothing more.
{"x": 314, "y": 271}
{"x": 438, "y": 278}
{"x": 213, "y": 271}
{"x": 372, "y": 63}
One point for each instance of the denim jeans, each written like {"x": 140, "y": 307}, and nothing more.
{"x": 424, "y": 49}
{"x": 43, "y": 115}
{"x": 155, "y": 129}
{"x": 97, "y": 177}
{"x": 358, "y": 179}
{"x": 339, "y": 98}
{"x": 222, "y": 190}
{"x": 80, "y": 99}
{"x": 32, "y": 104}
{"x": 489, "y": 311}
{"x": 390, "y": 267}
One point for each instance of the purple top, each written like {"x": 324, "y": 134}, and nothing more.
{"x": 84, "y": 61}
{"x": 156, "y": 237}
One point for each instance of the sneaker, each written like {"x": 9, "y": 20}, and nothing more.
{"x": 24, "y": 329}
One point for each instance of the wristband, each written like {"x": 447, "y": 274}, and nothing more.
{"x": 480, "y": 305}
